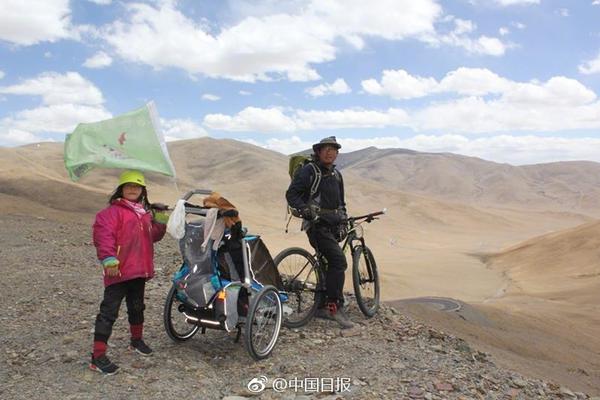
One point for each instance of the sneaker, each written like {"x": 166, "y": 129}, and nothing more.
{"x": 103, "y": 365}
{"x": 338, "y": 315}
{"x": 141, "y": 347}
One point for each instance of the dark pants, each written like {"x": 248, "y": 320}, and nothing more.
{"x": 133, "y": 292}
{"x": 321, "y": 237}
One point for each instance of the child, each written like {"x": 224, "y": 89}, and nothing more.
{"x": 124, "y": 234}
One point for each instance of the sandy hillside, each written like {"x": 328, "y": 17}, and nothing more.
{"x": 545, "y": 321}
{"x": 432, "y": 244}
{"x": 409, "y": 241}
{"x": 567, "y": 186}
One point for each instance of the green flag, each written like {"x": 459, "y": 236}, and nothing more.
{"x": 129, "y": 141}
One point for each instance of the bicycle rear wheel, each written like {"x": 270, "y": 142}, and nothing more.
{"x": 302, "y": 282}
{"x": 365, "y": 280}
{"x": 263, "y": 323}
{"x": 176, "y": 325}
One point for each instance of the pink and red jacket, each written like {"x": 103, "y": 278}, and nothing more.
{"x": 120, "y": 232}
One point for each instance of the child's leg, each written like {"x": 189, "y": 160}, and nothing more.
{"x": 135, "y": 306}
{"x": 135, "y": 311}
{"x": 109, "y": 311}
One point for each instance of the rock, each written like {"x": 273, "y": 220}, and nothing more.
{"x": 438, "y": 348}
{"x": 69, "y": 356}
{"x": 415, "y": 392}
{"x": 518, "y": 383}
{"x": 68, "y": 339}
{"x": 398, "y": 366}
{"x": 350, "y": 332}
{"x": 444, "y": 387}
{"x": 433, "y": 334}
{"x": 565, "y": 392}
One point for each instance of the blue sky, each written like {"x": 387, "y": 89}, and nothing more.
{"x": 512, "y": 81}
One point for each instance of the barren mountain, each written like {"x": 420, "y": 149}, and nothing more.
{"x": 560, "y": 266}
{"x": 568, "y": 186}
{"x": 444, "y": 212}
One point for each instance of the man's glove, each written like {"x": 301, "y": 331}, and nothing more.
{"x": 111, "y": 266}
{"x": 341, "y": 232}
{"x": 308, "y": 213}
{"x": 160, "y": 217}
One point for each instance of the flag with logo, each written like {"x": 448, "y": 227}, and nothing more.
{"x": 130, "y": 141}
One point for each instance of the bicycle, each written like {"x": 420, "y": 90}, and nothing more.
{"x": 303, "y": 275}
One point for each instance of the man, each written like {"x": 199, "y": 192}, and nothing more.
{"x": 325, "y": 215}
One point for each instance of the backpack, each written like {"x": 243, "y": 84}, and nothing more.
{"x": 296, "y": 163}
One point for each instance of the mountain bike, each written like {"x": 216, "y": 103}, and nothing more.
{"x": 303, "y": 275}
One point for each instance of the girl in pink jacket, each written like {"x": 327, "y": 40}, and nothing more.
{"x": 124, "y": 234}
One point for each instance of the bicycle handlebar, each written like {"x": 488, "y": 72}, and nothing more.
{"x": 369, "y": 217}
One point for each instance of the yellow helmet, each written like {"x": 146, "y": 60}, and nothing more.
{"x": 132, "y": 176}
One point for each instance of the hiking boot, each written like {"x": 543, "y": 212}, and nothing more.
{"x": 338, "y": 315}
{"x": 103, "y": 365}
{"x": 141, "y": 347}
{"x": 323, "y": 312}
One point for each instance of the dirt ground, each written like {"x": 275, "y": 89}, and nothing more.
{"x": 51, "y": 290}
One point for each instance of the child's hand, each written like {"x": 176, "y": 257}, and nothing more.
{"x": 160, "y": 217}
{"x": 112, "y": 271}
{"x": 111, "y": 266}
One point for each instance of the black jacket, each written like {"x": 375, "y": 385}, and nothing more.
{"x": 329, "y": 195}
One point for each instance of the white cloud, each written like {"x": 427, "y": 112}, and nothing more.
{"x": 519, "y": 25}
{"x": 473, "y": 81}
{"x": 67, "y": 99}
{"x": 479, "y": 82}
{"x": 252, "y": 119}
{"x": 177, "y": 129}
{"x": 459, "y": 37}
{"x": 101, "y": 2}
{"x": 485, "y": 103}
{"x": 244, "y": 93}
{"x": 591, "y": 66}
{"x": 61, "y": 118}
{"x": 285, "y": 43}
{"x": 210, "y": 97}
{"x": 339, "y": 86}
{"x": 596, "y": 3}
{"x": 503, "y": 31}
{"x": 30, "y": 22}
{"x": 55, "y": 88}
{"x": 286, "y": 146}
{"x": 98, "y": 60}
{"x": 2, "y": 74}
{"x": 270, "y": 120}
{"x": 10, "y": 136}
{"x": 516, "y": 150}
{"x": 563, "y": 12}
{"x": 400, "y": 84}
{"x": 515, "y": 2}
{"x": 350, "y": 118}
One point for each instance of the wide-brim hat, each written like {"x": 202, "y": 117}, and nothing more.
{"x": 328, "y": 141}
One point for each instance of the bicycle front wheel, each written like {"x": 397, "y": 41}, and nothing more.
{"x": 365, "y": 280}
{"x": 301, "y": 281}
